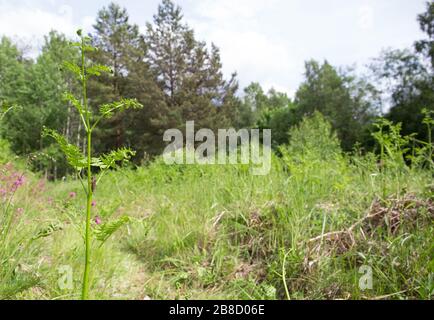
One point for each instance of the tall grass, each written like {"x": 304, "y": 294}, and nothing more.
{"x": 219, "y": 232}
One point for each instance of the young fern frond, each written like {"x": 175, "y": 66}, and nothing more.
{"x": 115, "y": 156}
{"x": 73, "y": 154}
{"x": 97, "y": 70}
{"x": 74, "y": 69}
{"x": 69, "y": 97}
{"x": 108, "y": 110}
{"x": 106, "y": 230}
{"x": 110, "y": 160}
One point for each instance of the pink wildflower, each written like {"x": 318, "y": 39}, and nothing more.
{"x": 72, "y": 195}
{"x": 18, "y": 183}
{"x": 97, "y": 220}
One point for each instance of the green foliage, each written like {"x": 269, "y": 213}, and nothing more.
{"x": 314, "y": 138}
{"x": 4, "y": 109}
{"x": 5, "y": 152}
{"x": 404, "y": 77}
{"x": 120, "y": 45}
{"x": 38, "y": 88}
{"x": 201, "y": 232}
{"x": 426, "y": 22}
{"x": 97, "y": 70}
{"x": 108, "y": 110}
{"x": 178, "y": 78}
{"x": 347, "y": 102}
{"x": 69, "y": 97}
{"x": 188, "y": 75}
{"x": 82, "y": 162}
{"x": 12, "y": 72}
{"x": 73, "y": 154}
{"x": 109, "y": 161}
{"x": 74, "y": 69}
{"x": 47, "y": 231}
{"x": 267, "y": 110}
{"x": 106, "y": 230}
{"x": 230, "y": 235}
{"x": 389, "y": 137}
{"x": 280, "y": 121}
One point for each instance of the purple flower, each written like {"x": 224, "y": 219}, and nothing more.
{"x": 98, "y": 220}
{"x": 18, "y": 183}
{"x": 72, "y": 195}
{"x": 93, "y": 203}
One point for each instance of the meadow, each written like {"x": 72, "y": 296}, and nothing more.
{"x": 308, "y": 230}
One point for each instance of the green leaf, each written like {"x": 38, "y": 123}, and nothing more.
{"x": 4, "y": 109}
{"x": 96, "y": 70}
{"x": 73, "y": 154}
{"x": 67, "y": 96}
{"x": 107, "y": 110}
{"x": 73, "y": 68}
{"x": 75, "y": 44}
{"x": 47, "y": 231}
{"x": 97, "y": 163}
{"x": 110, "y": 160}
{"x": 106, "y": 230}
{"x": 88, "y": 48}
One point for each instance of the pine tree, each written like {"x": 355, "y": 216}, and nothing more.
{"x": 187, "y": 73}
{"x": 120, "y": 46}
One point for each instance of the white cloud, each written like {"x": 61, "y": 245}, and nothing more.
{"x": 29, "y": 24}
{"x": 263, "y": 40}
{"x": 245, "y": 48}
{"x": 232, "y": 10}
{"x": 366, "y": 18}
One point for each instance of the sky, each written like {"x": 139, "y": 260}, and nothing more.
{"x": 266, "y": 41}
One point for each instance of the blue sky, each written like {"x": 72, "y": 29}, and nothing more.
{"x": 262, "y": 40}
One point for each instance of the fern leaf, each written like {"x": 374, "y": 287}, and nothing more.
{"x": 73, "y": 155}
{"x": 106, "y": 230}
{"x": 67, "y": 96}
{"x": 107, "y": 110}
{"x": 73, "y": 68}
{"x": 96, "y": 70}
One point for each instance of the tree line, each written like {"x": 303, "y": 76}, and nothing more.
{"x": 177, "y": 77}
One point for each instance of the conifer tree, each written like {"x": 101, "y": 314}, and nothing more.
{"x": 187, "y": 72}
{"x": 120, "y": 46}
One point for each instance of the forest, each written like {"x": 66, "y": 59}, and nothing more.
{"x": 90, "y": 210}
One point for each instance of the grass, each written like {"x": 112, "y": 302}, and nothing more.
{"x": 218, "y": 232}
